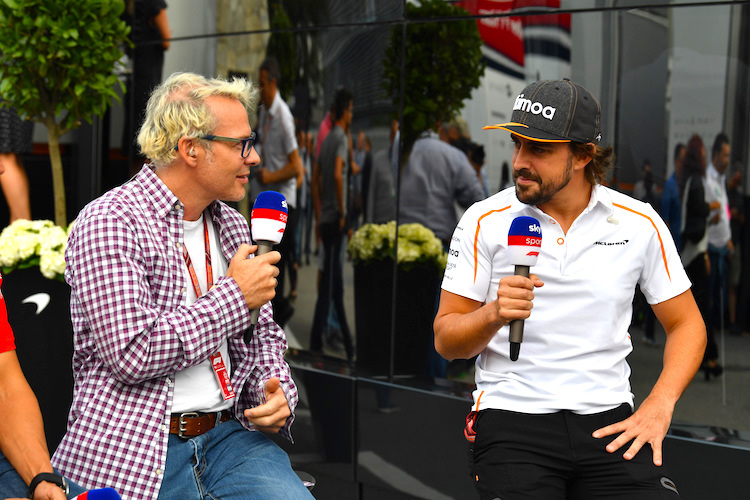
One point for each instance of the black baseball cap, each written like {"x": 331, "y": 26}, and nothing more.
{"x": 555, "y": 111}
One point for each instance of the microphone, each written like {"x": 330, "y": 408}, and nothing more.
{"x": 524, "y": 243}
{"x": 267, "y": 226}
{"x": 98, "y": 494}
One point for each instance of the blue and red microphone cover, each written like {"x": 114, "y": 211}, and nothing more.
{"x": 524, "y": 241}
{"x": 268, "y": 217}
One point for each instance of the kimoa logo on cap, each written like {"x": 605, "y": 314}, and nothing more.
{"x": 535, "y": 108}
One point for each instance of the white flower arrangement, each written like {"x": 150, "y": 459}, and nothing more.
{"x": 27, "y": 243}
{"x": 416, "y": 244}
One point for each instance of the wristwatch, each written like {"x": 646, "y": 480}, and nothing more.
{"x": 47, "y": 477}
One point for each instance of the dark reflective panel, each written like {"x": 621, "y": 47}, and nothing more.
{"x": 353, "y": 309}
{"x": 324, "y": 429}
{"x": 410, "y": 443}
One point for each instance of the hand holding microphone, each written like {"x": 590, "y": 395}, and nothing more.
{"x": 267, "y": 225}
{"x": 524, "y": 244}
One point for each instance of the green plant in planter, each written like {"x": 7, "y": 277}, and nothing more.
{"x": 416, "y": 244}
{"x": 57, "y": 64}
{"x": 443, "y": 65}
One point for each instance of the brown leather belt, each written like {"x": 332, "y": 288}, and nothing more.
{"x": 191, "y": 424}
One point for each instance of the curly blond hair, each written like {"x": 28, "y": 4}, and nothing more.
{"x": 177, "y": 108}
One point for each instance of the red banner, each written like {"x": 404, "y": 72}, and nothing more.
{"x": 505, "y": 33}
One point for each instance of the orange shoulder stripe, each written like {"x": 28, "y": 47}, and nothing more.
{"x": 663, "y": 253}
{"x": 476, "y": 238}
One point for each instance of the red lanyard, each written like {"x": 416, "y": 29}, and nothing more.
{"x": 209, "y": 269}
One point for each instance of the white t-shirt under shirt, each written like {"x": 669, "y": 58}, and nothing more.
{"x": 575, "y": 344}
{"x": 195, "y": 387}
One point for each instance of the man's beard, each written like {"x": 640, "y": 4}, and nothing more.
{"x": 545, "y": 190}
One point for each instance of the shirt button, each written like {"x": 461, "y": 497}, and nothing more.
{"x": 169, "y": 381}
{"x": 560, "y": 241}
{"x": 177, "y": 245}
{"x": 182, "y": 290}
{"x": 163, "y": 427}
{"x": 159, "y": 472}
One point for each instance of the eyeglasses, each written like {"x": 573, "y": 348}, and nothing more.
{"x": 247, "y": 144}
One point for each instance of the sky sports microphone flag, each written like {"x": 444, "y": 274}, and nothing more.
{"x": 267, "y": 226}
{"x": 268, "y": 218}
{"x": 524, "y": 244}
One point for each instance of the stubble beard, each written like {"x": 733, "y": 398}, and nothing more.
{"x": 545, "y": 190}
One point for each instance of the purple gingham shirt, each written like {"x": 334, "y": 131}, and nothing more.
{"x": 133, "y": 332}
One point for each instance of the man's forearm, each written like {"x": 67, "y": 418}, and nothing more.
{"x": 684, "y": 348}
{"x": 22, "y": 438}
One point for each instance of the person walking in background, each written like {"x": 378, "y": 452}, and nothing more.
{"x": 720, "y": 244}
{"x": 280, "y": 170}
{"x": 436, "y": 177}
{"x": 671, "y": 206}
{"x": 550, "y": 424}
{"x": 332, "y": 181}
{"x": 694, "y": 255}
{"x": 378, "y": 187}
{"x": 15, "y": 140}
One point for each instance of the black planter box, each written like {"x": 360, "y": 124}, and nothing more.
{"x": 44, "y": 344}
{"x": 417, "y": 290}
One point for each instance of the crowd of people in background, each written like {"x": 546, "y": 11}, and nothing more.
{"x": 701, "y": 203}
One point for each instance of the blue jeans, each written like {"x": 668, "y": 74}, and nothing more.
{"x": 11, "y": 484}
{"x": 229, "y": 462}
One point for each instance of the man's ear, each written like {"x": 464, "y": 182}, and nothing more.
{"x": 584, "y": 158}
{"x": 186, "y": 150}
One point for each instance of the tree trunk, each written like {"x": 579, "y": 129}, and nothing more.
{"x": 58, "y": 183}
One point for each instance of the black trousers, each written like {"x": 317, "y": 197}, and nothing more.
{"x": 331, "y": 290}
{"x": 554, "y": 456}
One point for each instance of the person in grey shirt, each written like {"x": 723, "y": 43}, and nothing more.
{"x": 436, "y": 176}
{"x": 331, "y": 178}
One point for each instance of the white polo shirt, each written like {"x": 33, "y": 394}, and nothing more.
{"x": 576, "y": 340}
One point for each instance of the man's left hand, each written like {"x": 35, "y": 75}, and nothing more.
{"x": 271, "y": 416}
{"x": 647, "y": 425}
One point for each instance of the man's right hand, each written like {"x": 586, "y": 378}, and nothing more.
{"x": 256, "y": 277}
{"x": 515, "y": 296}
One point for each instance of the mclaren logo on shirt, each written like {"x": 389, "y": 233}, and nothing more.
{"x": 611, "y": 243}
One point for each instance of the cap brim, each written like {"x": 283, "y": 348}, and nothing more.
{"x": 526, "y": 132}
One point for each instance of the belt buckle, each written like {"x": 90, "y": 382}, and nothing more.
{"x": 183, "y": 424}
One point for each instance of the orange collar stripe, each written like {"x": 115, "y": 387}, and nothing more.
{"x": 663, "y": 253}
{"x": 476, "y": 238}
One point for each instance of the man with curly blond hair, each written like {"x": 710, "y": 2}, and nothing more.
{"x": 170, "y": 401}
